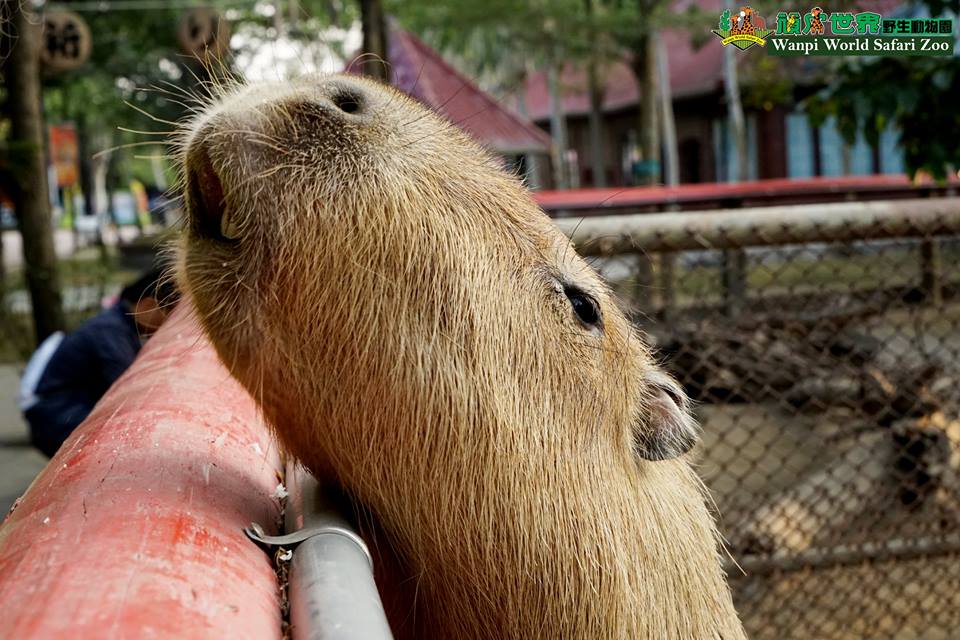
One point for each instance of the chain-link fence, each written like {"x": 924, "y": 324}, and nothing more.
{"x": 822, "y": 345}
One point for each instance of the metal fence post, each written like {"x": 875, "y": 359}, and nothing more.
{"x": 734, "y": 280}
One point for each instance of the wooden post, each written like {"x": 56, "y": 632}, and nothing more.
{"x": 30, "y": 195}
{"x": 738, "y": 229}
{"x": 375, "y": 40}
{"x": 667, "y": 292}
{"x": 734, "y": 280}
{"x": 931, "y": 268}
{"x": 667, "y": 263}
{"x": 643, "y": 282}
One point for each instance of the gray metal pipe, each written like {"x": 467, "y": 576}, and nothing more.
{"x": 845, "y": 555}
{"x": 762, "y": 226}
{"x": 332, "y": 592}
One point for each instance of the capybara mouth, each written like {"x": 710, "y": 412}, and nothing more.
{"x": 206, "y": 202}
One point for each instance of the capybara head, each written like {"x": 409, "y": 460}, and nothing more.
{"x": 420, "y": 335}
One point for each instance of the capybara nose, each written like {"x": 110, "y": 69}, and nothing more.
{"x": 349, "y": 100}
{"x": 338, "y": 100}
{"x": 670, "y": 429}
{"x": 205, "y": 196}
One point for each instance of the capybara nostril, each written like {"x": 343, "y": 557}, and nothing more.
{"x": 205, "y": 198}
{"x": 348, "y": 101}
{"x": 669, "y": 430}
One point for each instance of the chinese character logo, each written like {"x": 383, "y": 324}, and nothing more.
{"x": 743, "y": 29}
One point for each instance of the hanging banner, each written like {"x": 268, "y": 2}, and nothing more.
{"x": 65, "y": 154}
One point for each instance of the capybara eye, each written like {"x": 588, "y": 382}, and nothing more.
{"x": 346, "y": 102}
{"x": 586, "y": 308}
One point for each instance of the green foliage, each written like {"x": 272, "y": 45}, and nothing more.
{"x": 915, "y": 94}
{"x": 766, "y": 83}
{"x": 500, "y": 41}
{"x": 307, "y": 21}
{"x": 938, "y": 7}
{"x": 498, "y": 32}
{"x": 724, "y": 21}
{"x": 135, "y": 59}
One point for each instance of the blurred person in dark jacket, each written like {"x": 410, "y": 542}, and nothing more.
{"x": 68, "y": 375}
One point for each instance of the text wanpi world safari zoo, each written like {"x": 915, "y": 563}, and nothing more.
{"x": 842, "y": 33}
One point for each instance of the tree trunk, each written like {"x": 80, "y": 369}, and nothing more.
{"x": 30, "y": 197}
{"x": 735, "y": 260}
{"x": 598, "y": 161}
{"x": 87, "y": 182}
{"x": 671, "y": 172}
{"x": 669, "y": 126}
{"x": 3, "y": 275}
{"x": 375, "y": 48}
{"x": 558, "y": 128}
{"x": 159, "y": 177}
{"x": 86, "y": 167}
{"x": 738, "y": 128}
{"x": 645, "y": 70}
{"x": 278, "y": 17}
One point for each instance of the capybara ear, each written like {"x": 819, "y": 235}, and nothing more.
{"x": 669, "y": 429}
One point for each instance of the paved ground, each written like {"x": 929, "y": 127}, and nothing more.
{"x": 19, "y": 462}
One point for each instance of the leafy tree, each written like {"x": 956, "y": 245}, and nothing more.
{"x": 917, "y": 95}
{"x": 502, "y": 40}
{"x": 135, "y": 81}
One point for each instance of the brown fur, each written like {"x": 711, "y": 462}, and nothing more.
{"x": 392, "y": 302}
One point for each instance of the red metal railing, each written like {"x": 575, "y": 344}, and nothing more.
{"x": 582, "y": 202}
{"x": 135, "y": 528}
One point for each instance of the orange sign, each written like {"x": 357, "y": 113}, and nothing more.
{"x": 65, "y": 154}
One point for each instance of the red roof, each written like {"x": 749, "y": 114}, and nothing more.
{"x": 421, "y": 72}
{"x": 692, "y": 72}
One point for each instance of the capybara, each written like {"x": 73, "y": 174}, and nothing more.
{"x": 420, "y": 335}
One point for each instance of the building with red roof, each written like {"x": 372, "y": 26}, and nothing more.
{"x": 781, "y": 141}
{"x": 419, "y": 71}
